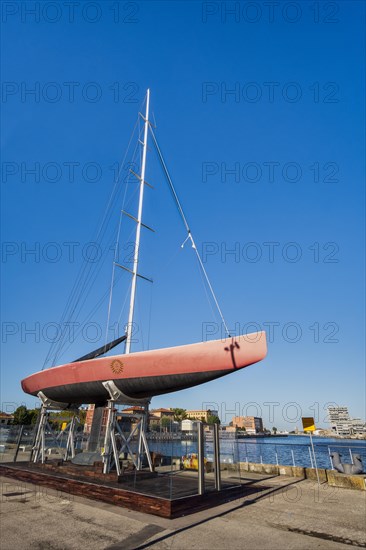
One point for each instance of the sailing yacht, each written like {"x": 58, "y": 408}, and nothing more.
{"x": 138, "y": 376}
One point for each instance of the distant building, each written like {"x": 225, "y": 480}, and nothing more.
{"x": 201, "y": 414}
{"x": 338, "y": 414}
{"x": 322, "y": 431}
{"x": 339, "y": 420}
{"x": 342, "y": 424}
{"x": 252, "y": 424}
{"x": 89, "y": 419}
{"x": 358, "y": 426}
{"x": 154, "y": 420}
{"x": 121, "y": 419}
{"x": 229, "y": 429}
{"x": 188, "y": 425}
{"x": 6, "y": 418}
{"x": 133, "y": 410}
{"x": 162, "y": 412}
{"x": 126, "y": 423}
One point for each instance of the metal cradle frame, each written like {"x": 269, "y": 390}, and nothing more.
{"x": 38, "y": 453}
{"x": 112, "y": 451}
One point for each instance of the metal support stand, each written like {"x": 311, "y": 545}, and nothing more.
{"x": 111, "y": 452}
{"x": 143, "y": 445}
{"x": 39, "y": 448}
{"x": 70, "y": 443}
{"x": 110, "y": 445}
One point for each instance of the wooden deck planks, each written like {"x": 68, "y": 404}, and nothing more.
{"x": 89, "y": 486}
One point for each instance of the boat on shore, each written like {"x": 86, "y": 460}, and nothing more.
{"x": 142, "y": 375}
{"x": 138, "y": 376}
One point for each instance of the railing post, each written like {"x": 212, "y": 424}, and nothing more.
{"x": 18, "y": 442}
{"x": 311, "y": 459}
{"x": 217, "y": 457}
{"x": 201, "y": 460}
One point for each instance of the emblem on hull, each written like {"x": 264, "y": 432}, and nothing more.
{"x": 117, "y": 366}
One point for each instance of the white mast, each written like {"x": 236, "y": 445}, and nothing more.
{"x": 138, "y": 229}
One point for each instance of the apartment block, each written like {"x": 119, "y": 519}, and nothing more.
{"x": 252, "y": 424}
{"x": 342, "y": 424}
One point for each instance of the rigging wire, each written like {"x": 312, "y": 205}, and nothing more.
{"x": 118, "y": 239}
{"x": 62, "y": 348}
{"x": 116, "y": 250}
{"x": 206, "y": 292}
{"x": 141, "y": 327}
{"x": 87, "y": 275}
{"x": 88, "y": 281}
{"x": 86, "y": 319}
{"x": 112, "y": 279}
{"x": 83, "y": 277}
{"x": 189, "y": 236}
{"x": 83, "y": 296}
{"x": 61, "y": 351}
{"x": 124, "y": 303}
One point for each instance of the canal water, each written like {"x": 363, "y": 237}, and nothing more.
{"x": 287, "y": 450}
{"x": 290, "y": 450}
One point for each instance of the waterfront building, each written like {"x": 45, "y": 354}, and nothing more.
{"x": 229, "y": 429}
{"x": 162, "y": 412}
{"x": 338, "y": 414}
{"x": 122, "y": 420}
{"x": 154, "y": 423}
{"x": 358, "y": 426}
{"x": 188, "y": 426}
{"x": 89, "y": 418}
{"x": 6, "y": 418}
{"x": 201, "y": 414}
{"x": 252, "y": 424}
{"x": 342, "y": 424}
{"x": 339, "y": 420}
{"x": 133, "y": 410}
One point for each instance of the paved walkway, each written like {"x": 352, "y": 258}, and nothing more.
{"x": 288, "y": 514}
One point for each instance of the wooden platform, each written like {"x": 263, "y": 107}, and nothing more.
{"x": 166, "y": 495}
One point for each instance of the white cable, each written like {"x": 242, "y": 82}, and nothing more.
{"x": 179, "y": 206}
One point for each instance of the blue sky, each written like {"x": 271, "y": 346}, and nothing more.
{"x": 260, "y": 116}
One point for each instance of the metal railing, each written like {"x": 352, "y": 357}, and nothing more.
{"x": 16, "y": 444}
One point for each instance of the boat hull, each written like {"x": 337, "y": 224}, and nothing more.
{"x": 143, "y": 375}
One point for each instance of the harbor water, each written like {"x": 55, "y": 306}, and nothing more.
{"x": 287, "y": 450}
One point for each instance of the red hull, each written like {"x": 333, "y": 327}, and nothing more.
{"x": 146, "y": 374}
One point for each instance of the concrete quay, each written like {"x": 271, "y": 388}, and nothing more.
{"x": 332, "y": 477}
{"x": 288, "y": 513}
